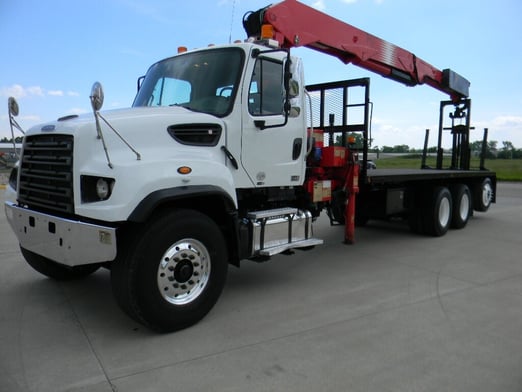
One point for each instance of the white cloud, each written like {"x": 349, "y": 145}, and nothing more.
{"x": 18, "y": 91}
{"x": 77, "y": 111}
{"x": 15, "y": 90}
{"x": 30, "y": 117}
{"x": 500, "y": 128}
{"x": 35, "y": 90}
{"x": 508, "y": 121}
{"x": 319, "y": 5}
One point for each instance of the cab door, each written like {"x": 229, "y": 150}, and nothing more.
{"x": 273, "y": 149}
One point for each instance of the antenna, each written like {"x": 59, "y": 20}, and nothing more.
{"x": 232, "y": 21}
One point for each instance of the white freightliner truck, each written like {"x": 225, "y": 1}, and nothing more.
{"x": 224, "y": 156}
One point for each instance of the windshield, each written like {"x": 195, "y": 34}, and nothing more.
{"x": 204, "y": 81}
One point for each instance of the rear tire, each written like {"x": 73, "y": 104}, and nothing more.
{"x": 55, "y": 270}
{"x": 483, "y": 195}
{"x": 173, "y": 272}
{"x": 437, "y": 213}
{"x": 462, "y": 208}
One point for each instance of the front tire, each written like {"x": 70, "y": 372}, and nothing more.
{"x": 55, "y": 270}
{"x": 174, "y": 271}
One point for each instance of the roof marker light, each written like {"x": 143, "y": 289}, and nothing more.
{"x": 267, "y": 31}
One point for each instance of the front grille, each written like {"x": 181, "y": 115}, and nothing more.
{"x": 46, "y": 173}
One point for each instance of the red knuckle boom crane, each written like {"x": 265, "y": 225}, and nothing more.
{"x": 295, "y": 24}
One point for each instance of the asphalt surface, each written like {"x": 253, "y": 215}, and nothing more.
{"x": 394, "y": 312}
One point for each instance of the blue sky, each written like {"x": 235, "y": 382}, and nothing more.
{"x": 54, "y": 50}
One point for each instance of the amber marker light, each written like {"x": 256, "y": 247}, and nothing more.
{"x": 184, "y": 170}
{"x": 267, "y": 31}
{"x": 182, "y": 49}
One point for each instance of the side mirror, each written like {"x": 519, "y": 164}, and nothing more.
{"x": 96, "y": 96}
{"x": 293, "y": 88}
{"x": 12, "y": 106}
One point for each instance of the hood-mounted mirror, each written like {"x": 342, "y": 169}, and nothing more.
{"x": 13, "y": 107}
{"x": 14, "y": 110}
{"x": 97, "y": 103}
{"x": 96, "y": 96}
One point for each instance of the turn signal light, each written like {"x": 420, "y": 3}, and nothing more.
{"x": 184, "y": 170}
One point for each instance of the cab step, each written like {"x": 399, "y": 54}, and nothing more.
{"x": 281, "y": 229}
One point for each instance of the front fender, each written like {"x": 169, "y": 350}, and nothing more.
{"x": 156, "y": 199}
{"x": 137, "y": 180}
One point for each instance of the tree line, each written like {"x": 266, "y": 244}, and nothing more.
{"x": 493, "y": 150}
{"x": 18, "y": 139}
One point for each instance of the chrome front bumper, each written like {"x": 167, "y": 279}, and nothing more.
{"x": 62, "y": 240}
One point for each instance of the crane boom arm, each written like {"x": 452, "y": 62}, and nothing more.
{"x": 295, "y": 24}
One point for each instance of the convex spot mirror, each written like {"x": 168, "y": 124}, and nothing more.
{"x": 13, "y": 107}
{"x": 96, "y": 96}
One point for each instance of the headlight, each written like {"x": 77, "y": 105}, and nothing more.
{"x": 102, "y": 188}
{"x": 95, "y": 188}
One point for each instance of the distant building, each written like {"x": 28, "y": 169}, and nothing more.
{"x": 7, "y": 148}
{"x": 7, "y": 156}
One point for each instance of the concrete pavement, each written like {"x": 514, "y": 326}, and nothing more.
{"x": 394, "y": 312}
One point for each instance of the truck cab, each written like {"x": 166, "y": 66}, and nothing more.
{"x": 215, "y": 143}
{"x": 242, "y": 86}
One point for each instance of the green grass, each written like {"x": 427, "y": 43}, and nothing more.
{"x": 506, "y": 169}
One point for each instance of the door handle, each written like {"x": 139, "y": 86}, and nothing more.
{"x": 297, "y": 147}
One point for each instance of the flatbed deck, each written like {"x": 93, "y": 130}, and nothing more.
{"x": 386, "y": 176}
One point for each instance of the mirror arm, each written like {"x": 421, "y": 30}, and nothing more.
{"x": 13, "y": 110}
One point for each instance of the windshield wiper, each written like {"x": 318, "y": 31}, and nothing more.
{"x": 185, "y": 106}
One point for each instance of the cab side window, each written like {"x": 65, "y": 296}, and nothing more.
{"x": 265, "y": 96}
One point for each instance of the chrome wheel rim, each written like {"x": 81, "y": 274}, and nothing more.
{"x": 184, "y": 271}
{"x": 464, "y": 207}
{"x": 487, "y": 193}
{"x": 444, "y": 212}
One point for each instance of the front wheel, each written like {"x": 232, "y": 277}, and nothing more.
{"x": 174, "y": 272}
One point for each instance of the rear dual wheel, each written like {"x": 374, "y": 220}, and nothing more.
{"x": 483, "y": 195}
{"x": 438, "y": 212}
{"x": 462, "y": 207}
{"x": 441, "y": 208}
